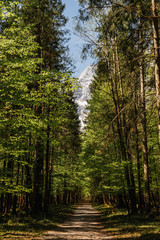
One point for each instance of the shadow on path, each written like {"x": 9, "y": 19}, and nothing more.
{"x": 84, "y": 224}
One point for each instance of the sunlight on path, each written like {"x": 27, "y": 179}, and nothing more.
{"x": 84, "y": 224}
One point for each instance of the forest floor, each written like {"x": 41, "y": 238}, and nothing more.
{"x": 24, "y": 227}
{"x": 130, "y": 227}
{"x": 83, "y": 222}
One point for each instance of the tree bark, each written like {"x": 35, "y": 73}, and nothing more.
{"x": 128, "y": 166}
{"x": 46, "y": 199}
{"x": 37, "y": 178}
{"x": 155, "y": 26}
{"x": 144, "y": 134}
{"x": 15, "y": 196}
{"x": 28, "y": 179}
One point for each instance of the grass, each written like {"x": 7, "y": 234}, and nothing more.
{"x": 117, "y": 223}
{"x": 130, "y": 227}
{"x": 28, "y": 228}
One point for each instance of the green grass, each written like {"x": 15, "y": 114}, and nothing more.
{"x": 28, "y": 228}
{"x": 130, "y": 227}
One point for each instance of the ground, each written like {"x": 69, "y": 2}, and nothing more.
{"x": 84, "y": 224}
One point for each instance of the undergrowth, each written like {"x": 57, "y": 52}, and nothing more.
{"x": 130, "y": 227}
{"x": 28, "y": 228}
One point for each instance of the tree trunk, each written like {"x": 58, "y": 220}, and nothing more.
{"x": 140, "y": 195}
{"x": 28, "y": 180}
{"x": 65, "y": 190}
{"x": 50, "y": 176}
{"x": 46, "y": 197}
{"x": 37, "y": 178}
{"x": 8, "y": 196}
{"x": 155, "y": 26}
{"x": 144, "y": 126}
{"x": 15, "y": 196}
{"x": 124, "y": 145}
{"x": 2, "y": 207}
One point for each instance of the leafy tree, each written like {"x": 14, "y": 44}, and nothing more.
{"x": 38, "y": 115}
{"x": 121, "y": 47}
{"x": 18, "y": 64}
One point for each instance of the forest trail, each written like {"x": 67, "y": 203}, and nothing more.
{"x": 84, "y": 224}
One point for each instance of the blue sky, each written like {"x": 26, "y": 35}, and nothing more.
{"x": 75, "y": 43}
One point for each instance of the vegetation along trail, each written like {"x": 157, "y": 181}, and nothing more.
{"x": 50, "y": 159}
{"x": 83, "y": 224}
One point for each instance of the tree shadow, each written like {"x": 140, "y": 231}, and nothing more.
{"x": 150, "y": 236}
{"x": 147, "y": 227}
{"x": 22, "y": 223}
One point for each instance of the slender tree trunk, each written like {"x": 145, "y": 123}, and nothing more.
{"x": 124, "y": 157}
{"x": 50, "y": 175}
{"x": 46, "y": 197}
{"x": 140, "y": 195}
{"x": 155, "y": 26}
{"x": 65, "y": 190}
{"x": 138, "y": 165}
{"x": 128, "y": 171}
{"x": 37, "y": 178}
{"x": 2, "y": 195}
{"x": 28, "y": 179}
{"x": 144, "y": 126}
{"x": 28, "y": 184}
{"x": 39, "y": 148}
{"x": 8, "y": 196}
{"x": 15, "y": 196}
{"x": 123, "y": 194}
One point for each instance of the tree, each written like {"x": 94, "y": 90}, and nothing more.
{"x": 121, "y": 47}
{"x": 18, "y": 64}
{"x": 36, "y": 104}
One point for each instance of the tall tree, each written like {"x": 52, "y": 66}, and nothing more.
{"x": 121, "y": 43}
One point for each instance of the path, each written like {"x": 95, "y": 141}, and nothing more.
{"x": 84, "y": 224}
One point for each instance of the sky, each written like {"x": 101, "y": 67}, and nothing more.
{"x": 75, "y": 43}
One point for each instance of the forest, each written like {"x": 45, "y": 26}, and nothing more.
{"x": 121, "y": 142}
{"x": 44, "y": 157}
{"x": 39, "y": 140}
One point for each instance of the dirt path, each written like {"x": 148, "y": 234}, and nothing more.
{"x": 84, "y": 224}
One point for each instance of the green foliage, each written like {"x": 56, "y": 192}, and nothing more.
{"x": 39, "y": 127}
{"x": 120, "y": 142}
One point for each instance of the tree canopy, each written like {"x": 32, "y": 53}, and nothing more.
{"x": 44, "y": 157}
